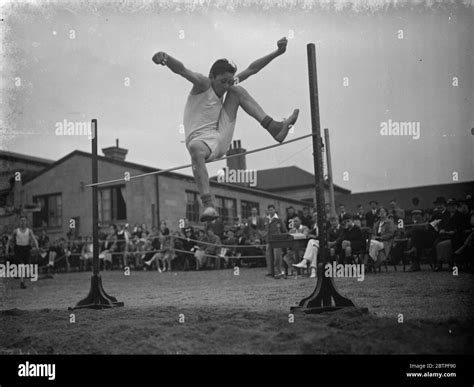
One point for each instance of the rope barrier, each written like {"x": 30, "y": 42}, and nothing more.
{"x": 158, "y": 172}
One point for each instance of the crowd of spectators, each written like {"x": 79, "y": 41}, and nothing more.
{"x": 444, "y": 234}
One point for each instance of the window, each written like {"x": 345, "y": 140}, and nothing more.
{"x": 112, "y": 206}
{"x": 51, "y": 211}
{"x": 192, "y": 206}
{"x": 227, "y": 209}
{"x": 246, "y": 208}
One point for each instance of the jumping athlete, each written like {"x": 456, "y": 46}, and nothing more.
{"x": 209, "y": 120}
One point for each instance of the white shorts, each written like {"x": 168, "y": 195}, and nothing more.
{"x": 218, "y": 140}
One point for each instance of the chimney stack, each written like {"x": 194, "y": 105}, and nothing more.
{"x": 115, "y": 152}
{"x": 237, "y": 162}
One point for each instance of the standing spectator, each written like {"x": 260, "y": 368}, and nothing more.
{"x": 342, "y": 213}
{"x": 21, "y": 239}
{"x": 396, "y": 211}
{"x": 274, "y": 225}
{"x": 371, "y": 216}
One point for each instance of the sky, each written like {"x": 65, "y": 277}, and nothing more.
{"x": 378, "y": 63}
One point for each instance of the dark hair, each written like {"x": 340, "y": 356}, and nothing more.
{"x": 271, "y": 206}
{"x": 222, "y": 66}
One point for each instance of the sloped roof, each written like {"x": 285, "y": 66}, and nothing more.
{"x": 282, "y": 178}
{"x": 147, "y": 169}
{"x": 6, "y": 155}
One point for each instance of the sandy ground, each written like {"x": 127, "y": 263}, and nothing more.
{"x": 212, "y": 312}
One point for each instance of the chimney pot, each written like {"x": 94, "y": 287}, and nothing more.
{"x": 117, "y": 142}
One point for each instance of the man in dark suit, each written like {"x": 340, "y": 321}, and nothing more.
{"x": 371, "y": 216}
{"x": 342, "y": 212}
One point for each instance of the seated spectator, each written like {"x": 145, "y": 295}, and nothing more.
{"x": 75, "y": 252}
{"x": 420, "y": 236}
{"x": 291, "y": 258}
{"x": 255, "y": 225}
{"x": 351, "y": 239}
{"x": 188, "y": 245}
{"x": 164, "y": 230}
{"x": 450, "y": 225}
{"x": 306, "y": 218}
{"x": 310, "y": 256}
{"x": 164, "y": 255}
{"x": 290, "y": 214}
{"x": 87, "y": 254}
{"x": 226, "y": 253}
{"x": 382, "y": 238}
{"x": 465, "y": 253}
{"x": 334, "y": 233}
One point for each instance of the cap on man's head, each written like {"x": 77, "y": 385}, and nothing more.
{"x": 347, "y": 217}
{"x": 373, "y": 201}
{"x": 452, "y": 202}
{"x": 440, "y": 200}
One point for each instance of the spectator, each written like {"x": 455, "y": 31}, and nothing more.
{"x": 396, "y": 211}
{"x": 164, "y": 230}
{"x": 382, "y": 239}
{"x": 371, "y": 216}
{"x": 274, "y": 226}
{"x": 342, "y": 212}
{"x": 229, "y": 240}
{"x": 290, "y": 214}
{"x": 87, "y": 254}
{"x": 310, "y": 255}
{"x": 450, "y": 232}
{"x": 301, "y": 231}
{"x": 465, "y": 253}
{"x": 255, "y": 225}
{"x": 351, "y": 239}
{"x": 360, "y": 215}
{"x": 306, "y": 218}
{"x": 334, "y": 233}
{"x": 122, "y": 245}
{"x": 202, "y": 259}
{"x": 420, "y": 236}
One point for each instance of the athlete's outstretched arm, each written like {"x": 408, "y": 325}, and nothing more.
{"x": 198, "y": 80}
{"x": 260, "y": 63}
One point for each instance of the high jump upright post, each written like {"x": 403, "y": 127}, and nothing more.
{"x": 97, "y": 297}
{"x": 325, "y": 297}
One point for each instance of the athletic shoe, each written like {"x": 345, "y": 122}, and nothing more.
{"x": 209, "y": 214}
{"x": 301, "y": 265}
{"x": 313, "y": 273}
